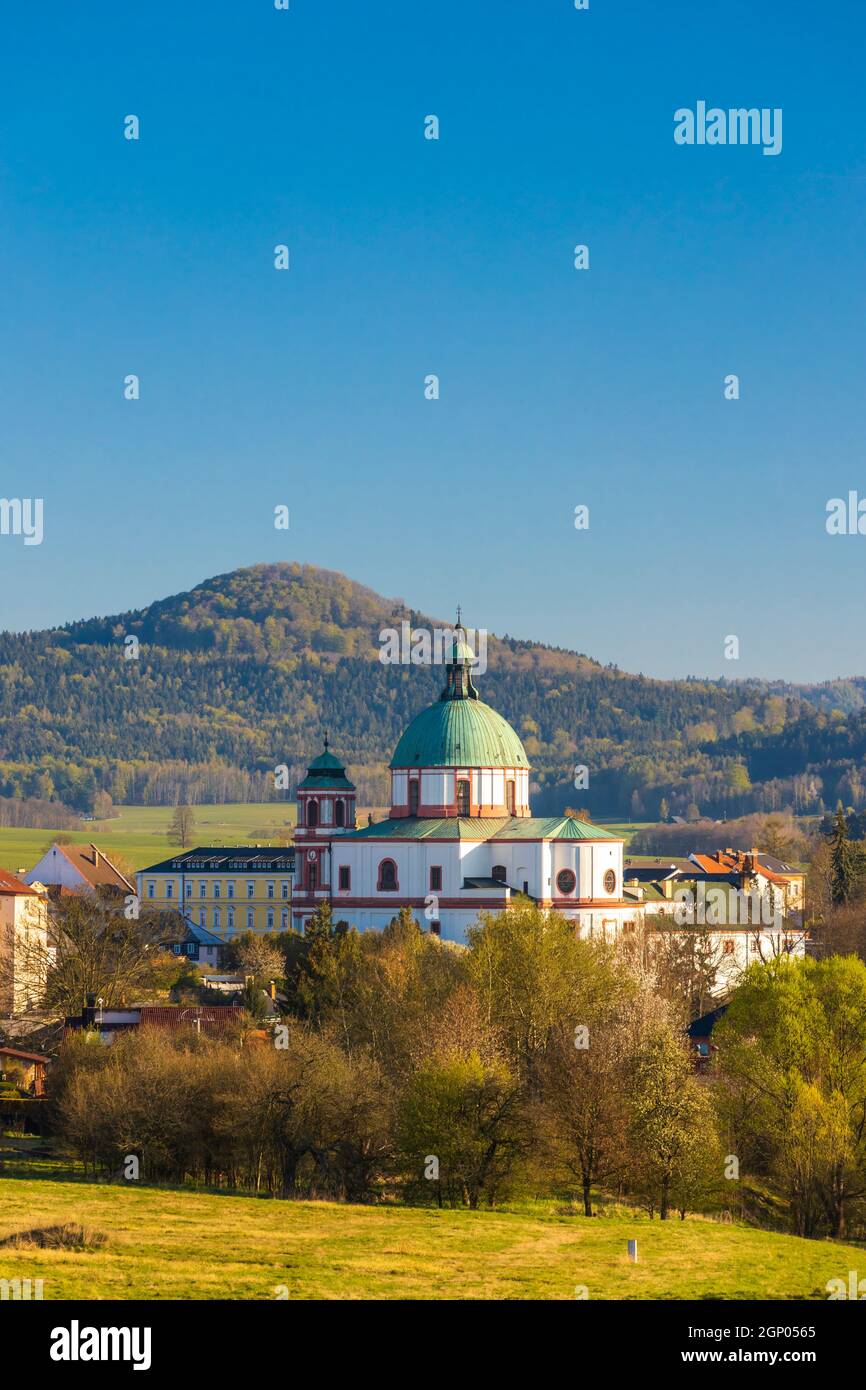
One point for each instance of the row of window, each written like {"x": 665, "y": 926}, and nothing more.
{"x": 322, "y": 816}
{"x": 387, "y": 878}
{"x": 464, "y": 798}
{"x": 213, "y": 889}
{"x": 566, "y": 881}
{"x": 270, "y": 918}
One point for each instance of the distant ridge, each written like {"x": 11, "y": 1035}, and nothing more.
{"x": 248, "y": 669}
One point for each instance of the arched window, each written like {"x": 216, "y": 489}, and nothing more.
{"x": 499, "y": 873}
{"x": 387, "y": 876}
{"x": 463, "y": 797}
{"x": 509, "y": 797}
{"x": 340, "y": 814}
{"x": 312, "y": 813}
{"x": 413, "y": 797}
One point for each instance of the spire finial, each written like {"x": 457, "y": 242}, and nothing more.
{"x": 459, "y": 614}
{"x": 327, "y": 743}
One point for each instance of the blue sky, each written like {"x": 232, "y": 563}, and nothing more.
{"x": 409, "y": 257}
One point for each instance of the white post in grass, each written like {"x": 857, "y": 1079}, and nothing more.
{"x": 632, "y": 1251}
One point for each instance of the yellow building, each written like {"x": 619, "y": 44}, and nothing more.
{"x": 225, "y": 890}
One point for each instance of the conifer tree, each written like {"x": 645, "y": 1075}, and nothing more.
{"x": 842, "y": 869}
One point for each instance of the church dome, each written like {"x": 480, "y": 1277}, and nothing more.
{"x": 459, "y": 733}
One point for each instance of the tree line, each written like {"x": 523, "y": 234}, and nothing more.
{"x": 403, "y": 1067}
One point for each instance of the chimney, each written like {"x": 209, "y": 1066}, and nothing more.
{"x": 95, "y": 856}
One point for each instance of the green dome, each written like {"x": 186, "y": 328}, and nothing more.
{"x": 459, "y": 733}
{"x": 326, "y": 762}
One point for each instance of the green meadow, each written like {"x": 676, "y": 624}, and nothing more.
{"x": 138, "y": 835}
{"x": 170, "y": 1244}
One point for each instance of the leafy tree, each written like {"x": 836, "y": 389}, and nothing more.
{"x": 670, "y": 1120}
{"x": 460, "y": 1120}
{"x": 793, "y": 1053}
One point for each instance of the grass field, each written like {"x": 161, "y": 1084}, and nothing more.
{"x": 191, "y": 1245}
{"x": 139, "y": 834}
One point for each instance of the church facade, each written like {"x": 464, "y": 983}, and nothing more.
{"x": 460, "y": 836}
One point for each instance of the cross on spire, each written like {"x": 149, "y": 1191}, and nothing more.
{"x": 459, "y": 613}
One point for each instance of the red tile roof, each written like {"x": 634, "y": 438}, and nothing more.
{"x": 95, "y": 867}
{"x": 11, "y": 885}
{"x": 214, "y": 1018}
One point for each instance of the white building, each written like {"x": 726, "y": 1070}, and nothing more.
{"x": 23, "y": 943}
{"x": 460, "y": 836}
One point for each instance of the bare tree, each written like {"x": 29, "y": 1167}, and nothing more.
{"x": 182, "y": 828}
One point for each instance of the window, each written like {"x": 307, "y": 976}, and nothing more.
{"x": 188, "y": 888}
{"x": 251, "y": 889}
{"x": 284, "y": 918}
{"x": 202, "y": 889}
{"x": 435, "y": 878}
{"x": 270, "y": 919}
{"x": 251, "y": 919}
{"x": 169, "y": 889}
{"x": 201, "y": 917}
{"x": 284, "y": 888}
{"x": 344, "y": 878}
{"x": 340, "y": 813}
{"x": 509, "y": 797}
{"x": 217, "y": 889}
{"x": 230, "y": 917}
{"x": 312, "y": 813}
{"x": 728, "y": 948}
{"x": 271, "y": 889}
{"x": 217, "y": 918}
{"x": 609, "y": 881}
{"x": 413, "y": 797}
{"x": 387, "y": 876}
{"x": 463, "y": 797}
{"x": 230, "y": 889}
{"x": 566, "y": 881}
{"x": 312, "y": 877}
{"x": 500, "y": 873}
{"x": 151, "y": 889}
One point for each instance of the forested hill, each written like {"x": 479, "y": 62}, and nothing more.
{"x": 247, "y": 670}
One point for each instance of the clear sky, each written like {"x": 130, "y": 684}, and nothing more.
{"x": 408, "y": 257}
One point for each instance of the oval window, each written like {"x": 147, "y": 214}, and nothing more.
{"x": 566, "y": 880}
{"x": 609, "y": 881}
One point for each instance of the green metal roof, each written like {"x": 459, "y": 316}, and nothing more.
{"x": 338, "y": 783}
{"x": 326, "y": 762}
{"x": 552, "y": 828}
{"x": 459, "y": 733}
{"x": 326, "y": 773}
{"x": 481, "y": 828}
